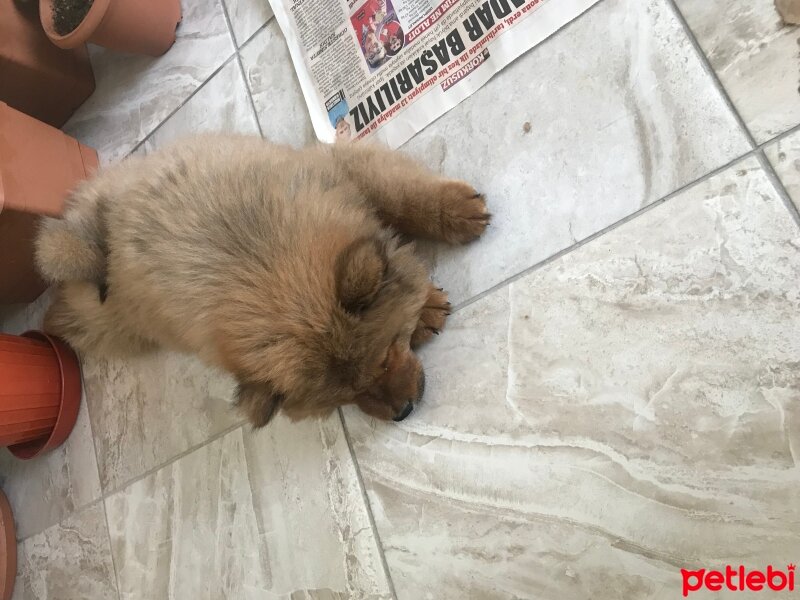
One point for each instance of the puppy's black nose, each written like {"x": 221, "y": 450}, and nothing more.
{"x": 406, "y": 411}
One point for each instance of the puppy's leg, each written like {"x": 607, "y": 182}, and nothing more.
{"x": 432, "y": 317}
{"x": 77, "y": 315}
{"x": 412, "y": 199}
{"x": 74, "y": 248}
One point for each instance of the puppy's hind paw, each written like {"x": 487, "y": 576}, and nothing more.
{"x": 464, "y": 214}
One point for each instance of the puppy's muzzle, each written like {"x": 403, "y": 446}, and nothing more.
{"x": 405, "y": 412}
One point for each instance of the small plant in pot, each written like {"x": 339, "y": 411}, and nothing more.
{"x": 136, "y": 26}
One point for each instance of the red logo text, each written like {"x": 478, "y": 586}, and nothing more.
{"x": 738, "y": 579}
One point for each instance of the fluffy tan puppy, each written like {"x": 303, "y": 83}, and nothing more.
{"x": 282, "y": 266}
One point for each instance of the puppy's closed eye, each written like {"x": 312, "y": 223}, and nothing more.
{"x": 383, "y": 367}
{"x": 260, "y": 402}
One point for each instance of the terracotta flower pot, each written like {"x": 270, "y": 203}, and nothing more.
{"x": 39, "y": 165}
{"x": 40, "y": 393}
{"x": 36, "y": 77}
{"x": 8, "y": 549}
{"x": 136, "y": 26}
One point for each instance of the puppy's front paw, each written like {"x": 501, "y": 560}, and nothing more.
{"x": 432, "y": 317}
{"x": 464, "y": 214}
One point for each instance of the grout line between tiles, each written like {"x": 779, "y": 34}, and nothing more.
{"x": 772, "y": 175}
{"x": 183, "y": 103}
{"x": 249, "y": 94}
{"x": 756, "y": 152}
{"x": 77, "y": 513}
{"x": 229, "y": 25}
{"x": 80, "y": 507}
{"x": 709, "y": 69}
{"x": 241, "y": 66}
{"x": 172, "y": 460}
{"x": 780, "y": 137}
{"x": 83, "y": 508}
{"x": 256, "y": 32}
{"x": 597, "y": 234}
{"x": 758, "y": 148}
{"x": 102, "y": 500}
{"x": 110, "y": 549}
{"x": 367, "y": 505}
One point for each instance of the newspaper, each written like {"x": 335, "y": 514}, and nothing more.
{"x": 387, "y": 68}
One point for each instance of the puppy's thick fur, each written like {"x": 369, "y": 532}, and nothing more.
{"x": 282, "y": 266}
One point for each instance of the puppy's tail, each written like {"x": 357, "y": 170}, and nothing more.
{"x": 74, "y": 248}
{"x": 89, "y": 325}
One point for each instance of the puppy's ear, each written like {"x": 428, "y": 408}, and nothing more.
{"x": 360, "y": 270}
{"x": 259, "y": 402}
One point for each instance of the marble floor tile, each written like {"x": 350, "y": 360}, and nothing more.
{"x": 17, "y": 318}
{"x": 49, "y": 488}
{"x": 273, "y": 514}
{"x": 149, "y": 409}
{"x": 247, "y": 16}
{"x": 136, "y": 93}
{"x": 69, "y": 561}
{"x": 45, "y": 490}
{"x": 282, "y": 111}
{"x": 620, "y": 113}
{"x": 222, "y": 104}
{"x": 756, "y": 57}
{"x": 625, "y": 411}
{"x": 785, "y": 158}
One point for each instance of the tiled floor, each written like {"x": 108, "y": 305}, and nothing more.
{"x": 616, "y": 397}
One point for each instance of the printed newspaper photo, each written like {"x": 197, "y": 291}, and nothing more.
{"x": 387, "y": 68}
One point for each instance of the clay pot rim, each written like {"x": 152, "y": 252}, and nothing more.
{"x": 68, "y": 407}
{"x": 8, "y": 555}
{"x": 81, "y": 33}
{"x": 3, "y": 107}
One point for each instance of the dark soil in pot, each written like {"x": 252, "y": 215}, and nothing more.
{"x": 68, "y": 14}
